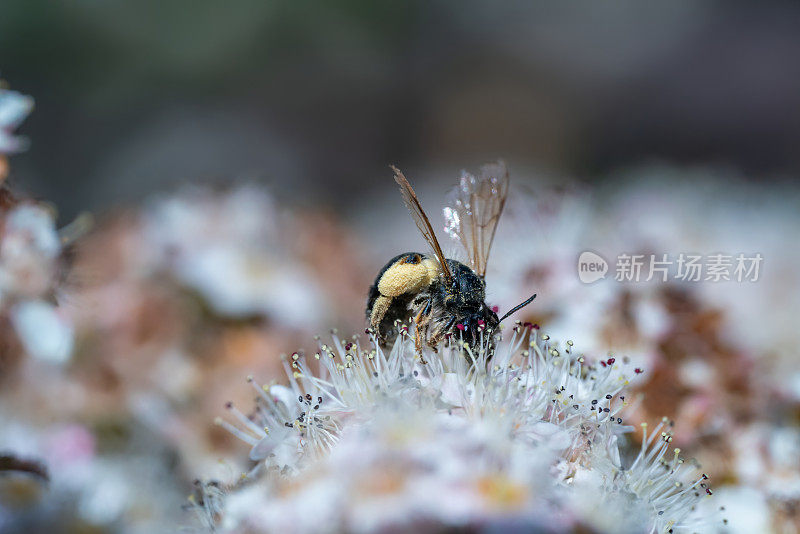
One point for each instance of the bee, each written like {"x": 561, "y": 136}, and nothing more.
{"x": 444, "y": 297}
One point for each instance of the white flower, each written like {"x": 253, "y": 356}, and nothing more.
{"x": 381, "y": 440}
{"x": 14, "y": 107}
{"x": 655, "y": 489}
{"x": 231, "y": 249}
{"x": 30, "y": 248}
{"x": 44, "y": 332}
{"x": 405, "y": 469}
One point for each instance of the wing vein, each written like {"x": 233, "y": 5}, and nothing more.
{"x": 421, "y": 219}
{"x": 475, "y": 210}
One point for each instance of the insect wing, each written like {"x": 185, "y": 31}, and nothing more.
{"x": 423, "y": 223}
{"x": 474, "y": 211}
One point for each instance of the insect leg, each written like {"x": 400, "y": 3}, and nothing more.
{"x": 379, "y": 309}
{"x": 440, "y": 333}
{"x": 427, "y": 309}
{"x": 420, "y": 324}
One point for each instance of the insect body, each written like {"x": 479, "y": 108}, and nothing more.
{"x": 444, "y": 296}
{"x": 412, "y": 285}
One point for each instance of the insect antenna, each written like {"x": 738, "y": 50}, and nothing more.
{"x": 518, "y": 307}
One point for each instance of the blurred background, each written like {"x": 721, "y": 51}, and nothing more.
{"x": 234, "y": 158}
{"x": 318, "y": 98}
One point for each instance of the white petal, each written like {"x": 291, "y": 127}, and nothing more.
{"x": 451, "y": 389}
{"x": 14, "y": 107}
{"x": 284, "y": 394}
{"x": 43, "y": 332}
{"x": 553, "y": 436}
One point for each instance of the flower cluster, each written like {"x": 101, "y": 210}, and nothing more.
{"x": 30, "y": 252}
{"x": 379, "y": 439}
{"x": 232, "y": 249}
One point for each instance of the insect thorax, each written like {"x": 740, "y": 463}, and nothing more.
{"x": 468, "y": 289}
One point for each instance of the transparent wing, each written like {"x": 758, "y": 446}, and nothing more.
{"x": 423, "y": 223}
{"x": 474, "y": 211}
